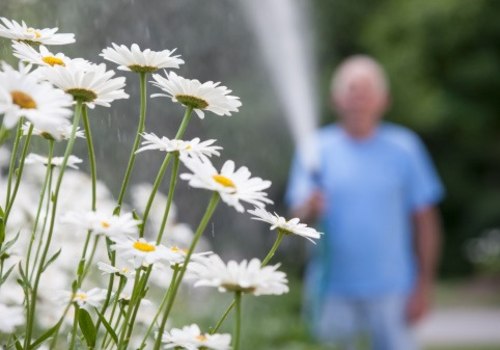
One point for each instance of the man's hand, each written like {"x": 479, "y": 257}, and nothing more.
{"x": 418, "y": 304}
{"x": 311, "y": 209}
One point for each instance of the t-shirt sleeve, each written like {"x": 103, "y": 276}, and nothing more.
{"x": 300, "y": 184}
{"x": 425, "y": 186}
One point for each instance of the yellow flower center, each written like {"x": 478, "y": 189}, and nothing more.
{"x": 52, "y": 61}
{"x": 201, "y": 337}
{"x": 192, "y": 101}
{"x": 105, "y": 224}
{"x": 80, "y": 296}
{"x": 176, "y": 249}
{"x": 144, "y": 247}
{"x": 224, "y": 181}
{"x": 22, "y": 99}
{"x": 124, "y": 270}
{"x": 34, "y": 31}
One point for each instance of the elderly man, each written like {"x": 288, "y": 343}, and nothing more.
{"x": 375, "y": 196}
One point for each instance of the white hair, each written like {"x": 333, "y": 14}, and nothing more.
{"x": 358, "y": 62}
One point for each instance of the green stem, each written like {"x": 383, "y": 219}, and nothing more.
{"x": 12, "y": 163}
{"x": 161, "y": 172}
{"x": 19, "y": 175}
{"x": 90, "y": 148}
{"x": 123, "y": 342}
{"x": 45, "y": 219}
{"x": 223, "y": 317}
{"x": 140, "y": 130}
{"x": 116, "y": 299}
{"x": 137, "y": 302}
{"x": 40, "y": 205}
{"x": 162, "y": 305}
{"x": 199, "y": 231}
{"x": 55, "y": 196}
{"x": 236, "y": 340}
{"x": 75, "y": 328}
{"x": 268, "y": 257}
{"x": 275, "y": 246}
{"x": 171, "y": 189}
{"x": 4, "y": 134}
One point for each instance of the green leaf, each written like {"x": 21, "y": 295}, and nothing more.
{"x": 45, "y": 336}
{"x": 108, "y": 327}
{"x": 25, "y": 283}
{"x": 7, "y": 244}
{"x": 116, "y": 211}
{"x": 17, "y": 343}
{"x": 6, "y": 274}
{"x": 51, "y": 260}
{"x": 81, "y": 267}
{"x": 2, "y": 213}
{"x": 87, "y": 327}
{"x": 2, "y": 231}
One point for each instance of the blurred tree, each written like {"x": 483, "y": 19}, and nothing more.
{"x": 443, "y": 61}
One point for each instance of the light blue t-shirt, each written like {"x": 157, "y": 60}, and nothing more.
{"x": 372, "y": 187}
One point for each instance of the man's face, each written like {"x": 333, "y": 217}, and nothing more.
{"x": 361, "y": 98}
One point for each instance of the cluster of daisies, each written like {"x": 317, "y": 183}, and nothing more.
{"x": 37, "y": 99}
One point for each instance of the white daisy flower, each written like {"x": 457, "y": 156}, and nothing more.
{"x": 90, "y": 83}
{"x": 139, "y": 251}
{"x": 62, "y": 132}
{"x": 86, "y": 300}
{"x": 178, "y": 255}
{"x": 11, "y": 29}
{"x": 292, "y": 226}
{"x": 233, "y": 185}
{"x": 103, "y": 223}
{"x": 12, "y": 316}
{"x": 40, "y": 57}
{"x": 194, "y": 148}
{"x": 191, "y": 338}
{"x": 208, "y": 96}
{"x": 125, "y": 271}
{"x": 54, "y": 162}
{"x": 245, "y": 277}
{"x": 21, "y": 95}
{"x": 138, "y": 61}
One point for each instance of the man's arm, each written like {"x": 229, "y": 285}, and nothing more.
{"x": 309, "y": 211}
{"x": 427, "y": 247}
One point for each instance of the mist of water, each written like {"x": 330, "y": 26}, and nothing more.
{"x": 284, "y": 36}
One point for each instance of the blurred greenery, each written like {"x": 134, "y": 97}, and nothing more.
{"x": 274, "y": 322}
{"x": 443, "y": 61}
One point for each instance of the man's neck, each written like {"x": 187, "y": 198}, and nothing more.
{"x": 360, "y": 133}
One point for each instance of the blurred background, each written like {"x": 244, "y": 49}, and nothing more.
{"x": 443, "y": 61}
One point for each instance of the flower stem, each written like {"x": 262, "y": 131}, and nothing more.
{"x": 90, "y": 148}
{"x": 199, "y": 231}
{"x": 123, "y": 342}
{"x": 163, "y": 168}
{"x": 162, "y": 305}
{"x": 173, "y": 181}
{"x": 19, "y": 174}
{"x": 75, "y": 328}
{"x": 34, "y": 293}
{"x": 275, "y": 246}
{"x": 237, "y": 329}
{"x": 12, "y": 163}
{"x": 223, "y": 317}
{"x": 39, "y": 209}
{"x": 140, "y": 130}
